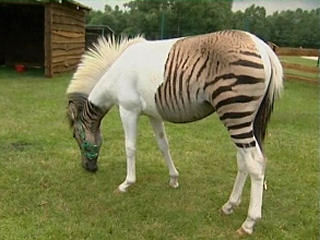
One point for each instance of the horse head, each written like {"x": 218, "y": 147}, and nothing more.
{"x": 85, "y": 131}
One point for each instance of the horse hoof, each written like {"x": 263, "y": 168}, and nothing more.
{"x": 174, "y": 182}
{"x": 223, "y": 213}
{"x": 225, "y": 210}
{"x": 242, "y": 233}
{"x": 118, "y": 191}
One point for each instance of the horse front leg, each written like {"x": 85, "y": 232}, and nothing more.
{"x": 163, "y": 145}
{"x": 129, "y": 122}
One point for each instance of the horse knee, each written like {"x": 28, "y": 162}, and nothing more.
{"x": 255, "y": 170}
{"x": 130, "y": 151}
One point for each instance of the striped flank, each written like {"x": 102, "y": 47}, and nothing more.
{"x": 220, "y": 72}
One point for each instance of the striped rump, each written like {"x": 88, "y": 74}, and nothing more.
{"x": 228, "y": 72}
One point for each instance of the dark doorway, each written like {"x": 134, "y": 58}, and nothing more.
{"x": 21, "y": 34}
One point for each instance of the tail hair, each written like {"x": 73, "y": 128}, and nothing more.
{"x": 274, "y": 91}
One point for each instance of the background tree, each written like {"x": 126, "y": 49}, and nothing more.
{"x": 253, "y": 19}
{"x": 296, "y": 28}
{"x": 157, "y": 19}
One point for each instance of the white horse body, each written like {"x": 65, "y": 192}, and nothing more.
{"x": 134, "y": 78}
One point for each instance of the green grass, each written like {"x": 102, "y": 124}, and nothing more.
{"x": 45, "y": 194}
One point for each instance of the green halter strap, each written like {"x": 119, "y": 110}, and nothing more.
{"x": 90, "y": 150}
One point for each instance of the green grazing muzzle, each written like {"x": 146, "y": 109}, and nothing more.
{"x": 91, "y": 151}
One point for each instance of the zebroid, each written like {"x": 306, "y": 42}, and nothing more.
{"x": 232, "y": 73}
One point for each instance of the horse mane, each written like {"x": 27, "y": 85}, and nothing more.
{"x": 95, "y": 62}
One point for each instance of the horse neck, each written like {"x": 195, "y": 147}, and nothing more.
{"x": 103, "y": 95}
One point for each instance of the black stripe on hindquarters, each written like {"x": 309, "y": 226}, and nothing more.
{"x": 247, "y": 63}
{"x": 220, "y": 90}
{"x": 176, "y": 82}
{"x": 246, "y": 145}
{"x": 235, "y": 115}
{"x": 172, "y": 80}
{"x": 202, "y": 68}
{"x": 189, "y": 79}
{"x": 247, "y": 53}
{"x": 165, "y": 94}
{"x": 243, "y": 135}
{"x": 241, "y": 79}
{"x": 180, "y": 82}
{"x": 168, "y": 64}
{"x": 246, "y": 79}
{"x": 220, "y": 77}
{"x": 168, "y": 70}
{"x": 238, "y": 126}
{"x": 237, "y": 99}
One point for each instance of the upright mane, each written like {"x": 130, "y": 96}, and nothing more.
{"x": 96, "y": 61}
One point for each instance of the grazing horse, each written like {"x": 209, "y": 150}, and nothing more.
{"x": 232, "y": 73}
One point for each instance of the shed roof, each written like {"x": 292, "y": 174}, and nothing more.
{"x": 99, "y": 26}
{"x": 45, "y": 2}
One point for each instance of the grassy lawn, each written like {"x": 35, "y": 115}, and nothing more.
{"x": 45, "y": 194}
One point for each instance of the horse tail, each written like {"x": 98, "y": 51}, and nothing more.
{"x": 273, "y": 91}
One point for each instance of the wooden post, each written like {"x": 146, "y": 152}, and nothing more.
{"x": 48, "y": 41}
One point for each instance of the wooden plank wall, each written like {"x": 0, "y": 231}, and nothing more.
{"x": 65, "y": 38}
{"x": 286, "y": 51}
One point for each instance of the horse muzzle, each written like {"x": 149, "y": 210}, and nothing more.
{"x": 90, "y": 155}
{"x": 90, "y": 165}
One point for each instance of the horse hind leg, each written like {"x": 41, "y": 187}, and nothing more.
{"x": 255, "y": 165}
{"x": 235, "y": 197}
{"x": 250, "y": 162}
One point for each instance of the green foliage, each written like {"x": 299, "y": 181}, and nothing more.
{"x": 287, "y": 28}
{"x": 166, "y": 18}
{"x": 158, "y": 19}
{"x": 253, "y": 19}
{"x": 296, "y": 28}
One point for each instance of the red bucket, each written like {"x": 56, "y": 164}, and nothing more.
{"x": 20, "y": 68}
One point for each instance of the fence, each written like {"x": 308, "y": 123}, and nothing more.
{"x": 296, "y": 70}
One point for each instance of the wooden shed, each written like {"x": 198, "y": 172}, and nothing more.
{"x": 45, "y": 33}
